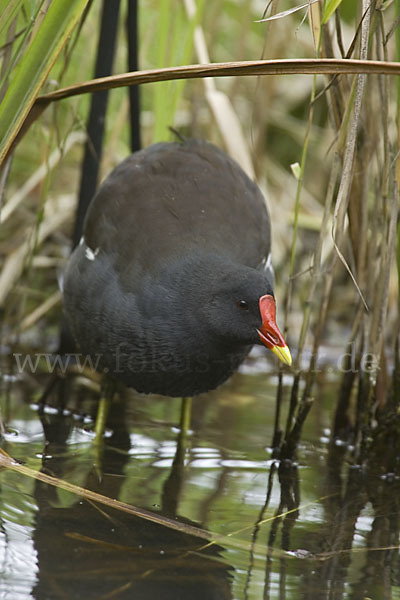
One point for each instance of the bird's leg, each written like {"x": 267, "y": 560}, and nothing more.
{"x": 106, "y": 395}
{"x": 184, "y": 427}
{"x": 173, "y": 485}
{"x": 186, "y": 414}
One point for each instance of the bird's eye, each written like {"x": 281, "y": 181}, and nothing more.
{"x": 243, "y": 304}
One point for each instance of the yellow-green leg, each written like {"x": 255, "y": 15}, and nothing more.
{"x": 106, "y": 397}
{"x": 184, "y": 426}
{"x": 186, "y": 415}
{"x": 173, "y": 484}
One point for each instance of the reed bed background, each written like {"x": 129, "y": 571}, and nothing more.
{"x": 324, "y": 148}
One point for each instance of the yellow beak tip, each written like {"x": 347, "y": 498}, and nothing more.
{"x": 283, "y": 353}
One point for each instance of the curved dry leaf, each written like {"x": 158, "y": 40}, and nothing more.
{"x": 286, "y": 13}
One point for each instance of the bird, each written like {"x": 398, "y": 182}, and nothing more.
{"x": 172, "y": 283}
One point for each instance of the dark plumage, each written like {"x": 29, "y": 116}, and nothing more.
{"x": 164, "y": 289}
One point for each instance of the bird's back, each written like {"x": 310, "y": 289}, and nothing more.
{"x": 174, "y": 199}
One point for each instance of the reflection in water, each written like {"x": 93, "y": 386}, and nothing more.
{"x": 313, "y": 525}
{"x": 89, "y": 551}
{"x": 353, "y": 539}
{"x": 285, "y": 516}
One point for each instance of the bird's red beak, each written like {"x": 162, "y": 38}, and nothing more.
{"x": 269, "y": 331}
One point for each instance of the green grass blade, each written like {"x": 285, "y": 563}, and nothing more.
{"x": 177, "y": 91}
{"x": 8, "y": 10}
{"x": 175, "y": 37}
{"x": 20, "y": 42}
{"x": 163, "y": 57}
{"x": 329, "y": 9}
{"x": 33, "y": 68}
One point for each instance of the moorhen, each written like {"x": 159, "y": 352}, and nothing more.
{"x": 172, "y": 283}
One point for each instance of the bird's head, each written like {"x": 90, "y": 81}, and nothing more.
{"x": 240, "y": 309}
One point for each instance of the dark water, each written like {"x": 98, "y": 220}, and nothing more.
{"x": 314, "y": 529}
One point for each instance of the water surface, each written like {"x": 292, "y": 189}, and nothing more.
{"x": 314, "y": 528}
